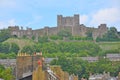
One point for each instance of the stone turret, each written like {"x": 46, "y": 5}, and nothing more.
{"x": 67, "y": 22}
{"x": 76, "y": 20}
{"x": 59, "y": 20}
{"x": 102, "y": 29}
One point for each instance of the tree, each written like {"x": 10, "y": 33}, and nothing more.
{"x": 77, "y": 66}
{"x": 4, "y": 35}
{"x": 6, "y": 56}
{"x": 9, "y": 48}
{"x": 111, "y": 35}
{"x": 43, "y": 39}
{"x": 6, "y": 74}
{"x": 72, "y": 65}
{"x": 64, "y": 33}
{"x": 4, "y": 47}
{"x": 14, "y": 48}
{"x": 28, "y": 49}
{"x": 89, "y": 34}
{"x": 24, "y": 37}
{"x": 33, "y": 37}
{"x": 56, "y": 37}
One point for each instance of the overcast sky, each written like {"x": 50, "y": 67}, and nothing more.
{"x": 39, "y": 13}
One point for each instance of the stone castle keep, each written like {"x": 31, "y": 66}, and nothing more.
{"x": 68, "y": 23}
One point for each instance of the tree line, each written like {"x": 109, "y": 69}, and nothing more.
{"x": 72, "y": 48}
{"x": 77, "y": 66}
{"x": 111, "y": 35}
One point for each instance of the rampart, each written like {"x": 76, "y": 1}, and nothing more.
{"x": 69, "y": 23}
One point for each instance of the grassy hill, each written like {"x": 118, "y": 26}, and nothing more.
{"x": 20, "y": 42}
{"x": 109, "y": 45}
{"x": 105, "y": 46}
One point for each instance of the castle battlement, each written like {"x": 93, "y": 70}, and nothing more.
{"x": 68, "y": 20}
{"x": 69, "y": 23}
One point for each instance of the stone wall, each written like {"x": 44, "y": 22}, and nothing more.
{"x": 100, "y": 31}
{"x": 63, "y": 23}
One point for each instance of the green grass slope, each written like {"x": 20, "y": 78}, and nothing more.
{"x": 20, "y": 42}
{"x": 109, "y": 45}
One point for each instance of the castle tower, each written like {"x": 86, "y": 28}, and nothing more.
{"x": 69, "y": 23}
{"x": 76, "y": 20}
{"x": 75, "y": 24}
{"x": 59, "y": 20}
{"x": 102, "y": 29}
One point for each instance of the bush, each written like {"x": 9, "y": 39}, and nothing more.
{"x": 28, "y": 49}
{"x": 111, "y": 35}
{"x": 43, "y": 39}
{"x": 8, "y": 48}
{"x": 4, "y": 35}
{"x": 6, "y": 56}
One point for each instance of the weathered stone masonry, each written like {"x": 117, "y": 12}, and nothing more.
{"x": 63, "y": 23}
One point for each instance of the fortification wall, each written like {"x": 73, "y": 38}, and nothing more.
{"x": 63, "y": 23}
{"x": 100, "y": 31}
{"x": 52, "y": 31}
{"x": 68, "y": 21}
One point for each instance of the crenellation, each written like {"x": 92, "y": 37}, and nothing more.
{"x": 59, "y": 20}
{"x": 100, "y": 31}
{"x": 53, "y": 31}
{"x": 76, "y": 20}
{"x": 26, "y": 63}
{"x": 13, "y": 28}
{"x": 70, "y": 23}
{"x": 102, "y": 26}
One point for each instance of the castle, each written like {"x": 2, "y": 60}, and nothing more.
{"x": 68, "y": 23}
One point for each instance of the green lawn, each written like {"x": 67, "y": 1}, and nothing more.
{"x": 109, "y": 45}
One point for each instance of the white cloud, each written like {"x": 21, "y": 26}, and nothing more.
{"x": 108, "y": 16}
{"x": 5, "y": 24}
{"x": 83, "y": 19}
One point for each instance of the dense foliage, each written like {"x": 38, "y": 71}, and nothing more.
{"x": 75, "y": 65}
{"x": 9, "y": 48}
{"x": 43, "y": 39}
{"x": 111, "y": 35}
{"x": 4, "y": 35}
{"x": 28, "y": 49}
{"x": 75, "y": 48}
{"x": 64, "y": 33}
{"x": 5, "y": 56}
{"x": 6, "y": 74}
